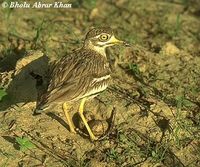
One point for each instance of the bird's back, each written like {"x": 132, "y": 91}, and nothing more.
{"x": 81, "y": 74}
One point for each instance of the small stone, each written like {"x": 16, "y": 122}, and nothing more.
{"x": 94, "y": 13}
{"x": 170, "y": 49}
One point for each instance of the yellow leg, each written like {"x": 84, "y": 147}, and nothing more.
{"x": 69, "y": 120}
{"x": 92, "y": 137}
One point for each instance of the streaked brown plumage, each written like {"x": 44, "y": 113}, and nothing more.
{"x": 81, "y": 75}
{"x": 72, "y": 76}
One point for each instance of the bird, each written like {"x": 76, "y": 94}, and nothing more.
{"x": 80, "y": 76}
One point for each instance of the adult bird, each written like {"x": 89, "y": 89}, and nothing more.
{"x": 81, "y": 75}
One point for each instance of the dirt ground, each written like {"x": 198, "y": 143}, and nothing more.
{"x": 151, "y": 109}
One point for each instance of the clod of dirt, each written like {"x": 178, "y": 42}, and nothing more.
{"x": 30, "y": 57}
{"x": 170, "y": 49}
{"x": 94, "y": 13}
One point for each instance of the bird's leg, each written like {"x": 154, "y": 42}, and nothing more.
{"x": 69, "y": 120}
{"x": 92, "y": 137}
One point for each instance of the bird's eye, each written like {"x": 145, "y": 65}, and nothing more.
{"x": 104, "y": 37}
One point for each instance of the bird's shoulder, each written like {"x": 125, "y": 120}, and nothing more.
{"x": 79, "y": 64}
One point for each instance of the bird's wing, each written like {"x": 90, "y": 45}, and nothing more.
{"x": 71, "y": 77}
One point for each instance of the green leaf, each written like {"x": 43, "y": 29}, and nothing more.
{"x": 24, "y": 143}
{"x": 2, "y": 93}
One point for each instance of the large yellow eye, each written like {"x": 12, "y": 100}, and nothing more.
{"x": 104, "y": 37}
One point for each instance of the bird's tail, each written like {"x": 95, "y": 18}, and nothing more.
{"x": 41, "y": 89}
{"x": 37, "y": 112}
{"x": 40, "y": 108}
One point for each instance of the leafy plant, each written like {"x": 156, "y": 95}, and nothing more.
{"x": 24, "y": 143}
{"x": 112, "y": 154}
{"x": 2, "y": 93}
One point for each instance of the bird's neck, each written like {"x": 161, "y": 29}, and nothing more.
{"x": 97, "y": 49}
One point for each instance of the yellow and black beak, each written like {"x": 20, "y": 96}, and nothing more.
{"x": 116, "y": 41}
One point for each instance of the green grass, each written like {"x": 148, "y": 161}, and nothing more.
{"x": 182, "y": 128}
{"x": 112, "y": 155}
{"x": 38, "y": 34}
{"x": 177, "y": 27}
{"x": 173, "y": 30}
{"x": 132, "y": 149}
{"x": 90, "y": 3}
{"x": 7, "y": 11}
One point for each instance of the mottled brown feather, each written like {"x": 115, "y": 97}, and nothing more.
{"x": 83, "y": 73}
{"x": 72, "y": 76}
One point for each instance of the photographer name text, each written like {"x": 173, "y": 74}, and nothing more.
{"x": 16, "y": 4}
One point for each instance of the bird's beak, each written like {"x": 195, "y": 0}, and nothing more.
{"x": 116, "y": 41}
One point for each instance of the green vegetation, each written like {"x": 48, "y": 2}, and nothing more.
{"x": 7, "y": 11}
{"x": 135, "y": 69}
{"x": 90, "y": 3}
{"x": 24, "y": 143}
{"x": 177, "y": 27}
{"x": 2, "y": 93}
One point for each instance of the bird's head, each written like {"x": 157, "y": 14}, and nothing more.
{"x": 98, "y": 39}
